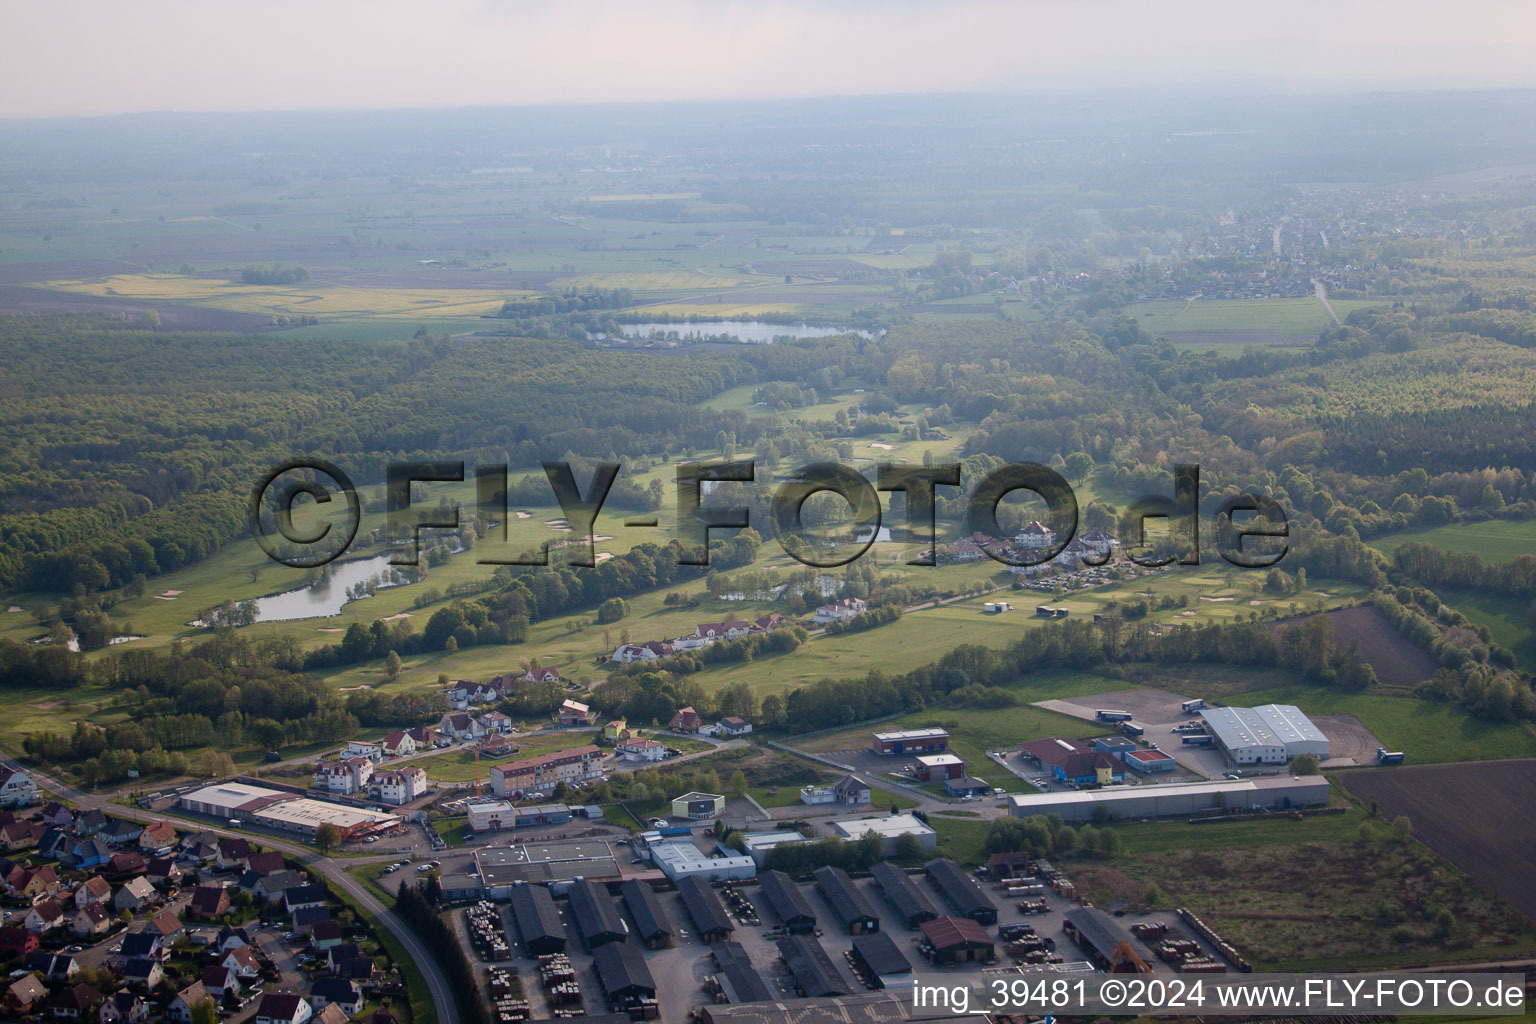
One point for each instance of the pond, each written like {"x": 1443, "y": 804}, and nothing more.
{"x": 327, "y": 599}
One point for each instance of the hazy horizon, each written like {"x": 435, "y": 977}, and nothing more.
{"x": 96, "y": 59}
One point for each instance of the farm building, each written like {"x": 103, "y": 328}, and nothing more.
{"x": 1177, "y": 799}
{"x": 1268, "y": 734}
{"x": 881, "y": 960}
{"x": 538, "y": 922}
{"x": 704, "y": 907}
{"x": 597, "y": 919}
{"x": 905, "y": 896}
{"x": 758, "y": 844}
{"x": 1148, "y": 761}
{"x": 960, "y": 891}
{"x": 738, "y": 980}
{"x": 652, "y": 922}
{"x": 815, "y": 974}
{"x": 891, "y": 827}
{"x": 626, "y": 980}
{"x": 698, "y": 805}
{"x": 788, "y": 903}
{"x": 847, "y": 901}
{"x": 954, "y": 940}
{"x": 1096, "y": 934}
{"x": 679, "y": 860}
{"x": 911, "y": 741}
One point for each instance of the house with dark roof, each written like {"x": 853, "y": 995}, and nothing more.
{"x": 814, "y": 973}
{"x": 652, "y": 922}
{"x": 143, "y": 971}
{"x": 129, "y": 862}
{"x": 88, "y": 823}
{"x": 218, "y": 979}
{"x": 849, "y": 904}
{"x": 142, "y": 944}
{"x": 739, "y": 981}
{"x": 121, "y": 832}
{"x": 283, "y": 1008}
{"x": 787, "y": 902}
{"x": 233, "y": 853}
{"x": 271, "y": 888}
{"x": 960, "y": 891}
{"x": 880, "y": 960}
{"x": 74, "y": 1003}
{"x": 597, "y": 919}
{"x": 703, "y": 904}
{"x": 16, "y": 941}
{"x": 337, "y": 992}
{"x": 53, "y": 967}
{"x": 951, "y": 940}
{"x": 300, "y": 896}
{"x": 305, "y": 918}
{"x": 209, "y": 902}
{"x": 166, "y": 924}
{"x": 325, "y": 934}
{"x": 538, "y": 922}
{"x": 910, "y": 902}
{"x": 123, "y": 1007}
{"x": 269, "y": 862}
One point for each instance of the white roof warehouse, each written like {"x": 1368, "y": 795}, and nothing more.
{"x": 1130, "y": 802}
{"x": 289, "y": 812}
{"x": 1269, "y": 734}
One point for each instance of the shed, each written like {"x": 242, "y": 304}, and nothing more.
{"x": 622, "y": 970}
{"x": 909, "y": 901}
{"x": 788, "y": 902}
{"x": 849, "y": 905}
{"x": 705, "y": 908}
{"x": 957, "y": 939}
{"x": 881, "y": 960}
{"x": 739, "y": 981}
{"x": 961, "y": 891}
{"x": 597, "y": 919}
{"x": 815, "y": 974}
{"x": 652, "y": 922}
{"x": 538, "y": 922}
{"x": 1095, "y": 932}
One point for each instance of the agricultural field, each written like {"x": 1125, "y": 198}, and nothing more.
{"x": 1477, "y": 816}
{"x": 1398, "y": 664}
{"x": 1495, "y": 540}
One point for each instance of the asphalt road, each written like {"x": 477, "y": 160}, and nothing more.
{"x": 334, "y": 872}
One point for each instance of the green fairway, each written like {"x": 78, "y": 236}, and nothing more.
{"x": 1496, "y": 540}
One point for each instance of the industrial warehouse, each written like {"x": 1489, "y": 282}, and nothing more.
{"x": 1270, "y": 793}
{"x": 1269, "y": 734}
{"x": 286, "y": 812}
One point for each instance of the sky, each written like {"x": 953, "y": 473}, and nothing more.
{"x": 92, "y": 57}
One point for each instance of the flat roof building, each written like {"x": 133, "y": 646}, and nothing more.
{"x": 1177, "y": 799}
{"x": 285, "y": 811}
{"x": 911, "y": 741}
{"x": 758, "y": 845}
{"x": 891, "y": 827}
{"x": 905, "y": 896}
{"x": 682, "y": 859}
{"x": 1268, "y": 734}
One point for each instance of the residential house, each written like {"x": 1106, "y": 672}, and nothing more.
{"x": 338, "y": 991}
{"x": 271, "y": 888}
{"x": 542, "y": 675}
{"x": 496, "y": 724}
{"x": 130, "y": 862}
{"x": 331, "y": 1014}
{"x": 77, "y": 1002}
{"x": 120, "y": 832}
{"x": 145, "y": 945}
{"x": 635, "y": 749}
{"x": 651, "y": 650}
{"x": 401, "y": 785}
{"x": 233, "y": 853}
{"x": 123, "y": 1007}
{"x": 134, "y": 894}
{"x": 54, "y": 967}
{"x": 268, "y": 862}
{"x": 731, "y": 629}
{"x": 363, "y": 748}
{"x": 685, "y": 720}
{"x": 30, "y": 883}
{"x": 87, "y": 854}
{"x": 88, "y": 823}
{"x": 574, "y": 713}
{"x": 616, "y": 729}
{"x": 91, "y": 921}
{"x": 840, "y": 610}
{"x": 143, "y": 971}
{"x": 57, "y": 815}
{"x": 24, "y": 993}
{"x": 345, "y": 776}
{"x": 734, "y": 726}
{"x": 541, "y": 773}
{"x": 497, "y": 747}
{"x": 209, "y": 902}
{"x": 44, "y": 917}
{"x": 166, "y": 925}
{"x": 16, "y": 788}
{"x": 55, "y": 843}
{"x": 461, "y": 725}
{"x": 398, "y": 743}
{"x": 242, "y": 961}
{"x": 325, "y": 934}
{"x": 218, "y": 979}
{"x": 1035, "y": 537}
{"x": 180, "y": 1009}
{"x": 199, "y": 847}
{"x": 283, "y": 1008}
{"x": 93, "y": 890}
{"x": 158, "y": 839}
{"x": 464, "y": 693}
{"x": 769, "y": 622}
{"x": 305, "y": 918}
{"x": 849, "y": 790}
{"x": 20, "y": 835}
{"x": 16, "y": 941}
{"x": 300, "y": 896}
{"x": 230, "y": 938}
{"x": 425, "y": 736}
